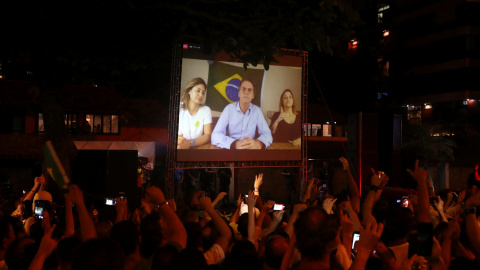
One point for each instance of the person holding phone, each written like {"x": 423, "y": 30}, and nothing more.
{"x": 286, "y": 124}
{"x": 195, "y": 119}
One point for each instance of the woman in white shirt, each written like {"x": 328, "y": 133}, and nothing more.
{"x": 195, "y": 119}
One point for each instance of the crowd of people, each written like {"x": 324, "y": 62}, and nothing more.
{"x": 320, "y": 231}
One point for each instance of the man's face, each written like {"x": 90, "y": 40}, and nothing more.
{"x": 246, "y": 92}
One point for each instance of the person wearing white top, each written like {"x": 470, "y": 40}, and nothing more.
{"x": 195, "y": 119}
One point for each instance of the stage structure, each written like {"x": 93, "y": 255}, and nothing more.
{"x": 223, "y": 76}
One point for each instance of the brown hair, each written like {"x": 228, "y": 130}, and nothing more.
{"x": 280, "y": 106}
{"x": 192, "y": 83}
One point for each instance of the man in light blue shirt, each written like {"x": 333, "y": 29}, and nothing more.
{"x": 239, "y": 121}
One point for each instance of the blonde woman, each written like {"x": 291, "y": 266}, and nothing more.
{"x": 195, "y": 119}
{"x": 286, "y": 124}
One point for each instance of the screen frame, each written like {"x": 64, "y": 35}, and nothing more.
{"x": 238, "y": 161}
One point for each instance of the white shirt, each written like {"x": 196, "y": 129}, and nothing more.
{"x": 192, "y": 126}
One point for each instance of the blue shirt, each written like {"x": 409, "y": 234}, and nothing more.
{"x": 233, "y": 125}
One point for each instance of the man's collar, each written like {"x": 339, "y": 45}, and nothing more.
{"x": 237, "y": 107}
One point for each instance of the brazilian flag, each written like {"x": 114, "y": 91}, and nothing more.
{"x": 54, "y": 166}
{"x": 223, "y": 83}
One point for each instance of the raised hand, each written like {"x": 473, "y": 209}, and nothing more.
{"x": 268, "y": 206}
{"x": 378, "y": 178}
{"x": 345, "y": 164}
{"x": 370, "y": 236}
{"x": 277, "y": 216}
{"x": 39, "y": 180}
{"x": 258, "y": 181}
{"x": 251, "y": 200}
{"x": 439, "y": 204}
{"x": 76, "y": 195}
{"x": 418, "y": 173}
{"x": 281, "y": 116}
{"x": 461, "y": 196}
{"x": 328, "y": 205}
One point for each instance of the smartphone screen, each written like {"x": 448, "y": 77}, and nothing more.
{"x": 278, "y": 207}
{"x": 110, "y": 201}
{"x": 39, "y": 208}
{"x": 356, "y": 237}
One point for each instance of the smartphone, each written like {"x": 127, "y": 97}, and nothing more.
{"x": 121, "y": 195}
{"x": 244, "y": 196}
{"x": 278, "y": 207}
{"x": 422, "y": 240}
{"x": 356, "y": 237}
{"x": 404, "y": 202}
{"x": 39, "y": 208}
{"x": 110, "y": 201}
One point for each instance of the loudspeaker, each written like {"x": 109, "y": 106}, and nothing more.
{"x": 105, "y": 173}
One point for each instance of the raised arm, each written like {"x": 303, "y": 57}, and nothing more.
{"x": 69, "y": 221}
{"x": 423, "y": 206}
{"x": 297, "y": 208}
{"x": 87, "y": 228}
{"x": 369, "y": 202}
{"x": 220, "y": 224}
{"x": 352, "y": 185}
{"x": 37, "y": 182}
{"x": 251, "y": 200}
{"x": 175, "y": 227}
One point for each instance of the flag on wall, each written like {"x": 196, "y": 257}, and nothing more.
{"x": 223, "y": 82}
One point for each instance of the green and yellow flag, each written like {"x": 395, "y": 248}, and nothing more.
{"x": 223, "y": 82}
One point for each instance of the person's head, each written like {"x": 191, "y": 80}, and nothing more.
{"x": 151, "y": 234}
{"x": 246, "y": 91}
{"x": 127, "y": 234}
{"x": 275, "y": 247}
{"x": 316, "y": 232}
{"x": 7, "y": 235}
{"x": 99, "y": 254}
{"x": 287, "y": 100}
{"x": 243, "y": 256}
{"x": 195, "y": 91}
{"x": 24, "y": 210}
{"x": 398, "y": 222}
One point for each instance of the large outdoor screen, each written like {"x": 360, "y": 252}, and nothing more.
{"x": 231, "y": 113}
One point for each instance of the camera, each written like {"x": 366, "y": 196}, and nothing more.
{"x": 404, "y": 202}
{"x": 110, "y": 201}
{"x": 39, "y": 208}
{"x": 278, "y": 207}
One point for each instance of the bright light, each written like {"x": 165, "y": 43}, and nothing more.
{"x": 428, "y": 107}
{"x": 386, "y": 33}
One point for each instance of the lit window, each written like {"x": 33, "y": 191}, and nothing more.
{"x": 414, "y": 115}
{"x": 380, "y": 13}
{"x": 103, "y": 123}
